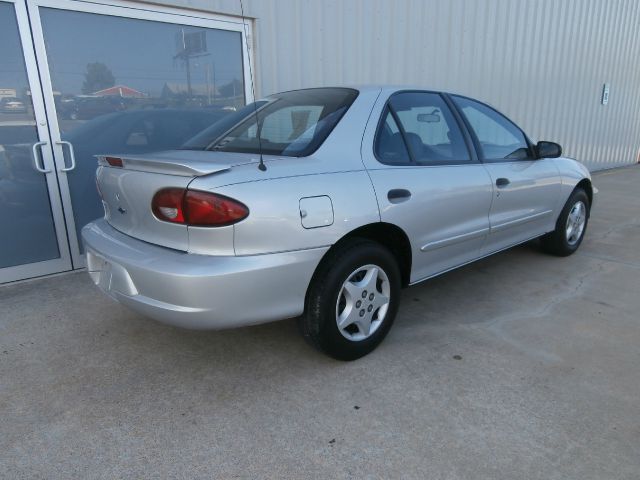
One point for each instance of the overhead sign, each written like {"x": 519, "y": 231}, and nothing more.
{"x": 191, "y": 43}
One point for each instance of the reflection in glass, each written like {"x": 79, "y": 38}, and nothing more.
{"x": 138, "y": 87}
{"x": 27, "y": 233}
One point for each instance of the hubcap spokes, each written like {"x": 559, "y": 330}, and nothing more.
{"x": 363, "y": 302}
{"x": 575, "y": 222}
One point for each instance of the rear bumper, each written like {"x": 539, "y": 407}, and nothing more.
{"x": 198, "y": 291}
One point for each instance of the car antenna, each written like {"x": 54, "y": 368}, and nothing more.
{"x": 261, "y": 165}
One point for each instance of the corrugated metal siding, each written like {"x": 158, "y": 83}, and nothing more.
{"x": 541, "y": 62}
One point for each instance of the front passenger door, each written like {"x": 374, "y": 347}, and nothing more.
{"x": 525, "y": 189}
{"x": 427, "y": 182}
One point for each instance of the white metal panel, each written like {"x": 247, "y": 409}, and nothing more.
{"x": 542, "y": 62}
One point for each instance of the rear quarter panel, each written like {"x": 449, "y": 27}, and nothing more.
{"x": 275, "y": 224}
{"x": 273, "y": 196}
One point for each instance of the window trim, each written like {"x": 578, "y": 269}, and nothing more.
{"x": 468, "y": 142}
{"x": 476, "y": 141}
{"x": 403, "y": 134}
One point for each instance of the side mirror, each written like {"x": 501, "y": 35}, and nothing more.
{"x": 548, "y": 150}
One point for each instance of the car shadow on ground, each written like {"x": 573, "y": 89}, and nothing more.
{"x": 450, "y": 299}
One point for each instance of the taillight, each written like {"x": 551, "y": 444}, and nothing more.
{"x": 209, "y": 209}
{"x": 167, "y": 205}
{"x": 193, "y": 207}
{"x": 114, "y": 161}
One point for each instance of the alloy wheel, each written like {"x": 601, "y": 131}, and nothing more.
{"x": 363, "y": 302}
{"x": 576, "y": 221}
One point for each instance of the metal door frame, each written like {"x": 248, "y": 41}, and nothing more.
{"x": 62, "y": 263}
{"x": 125, "y": 9}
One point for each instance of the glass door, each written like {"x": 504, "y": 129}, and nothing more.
{"x": 129, "y": 80}
{"x": 33, "y": 238}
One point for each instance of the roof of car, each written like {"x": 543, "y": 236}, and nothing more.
{"x": 373, "y": 87}
{"x": 396, "y": 87}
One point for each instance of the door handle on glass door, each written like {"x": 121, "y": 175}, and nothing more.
{"x": 36, "y": 146}
{"x": 502, "y": 182}
{"x": 72, "y": 155}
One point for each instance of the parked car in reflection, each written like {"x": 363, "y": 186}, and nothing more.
{"x": 12, "y": 105}
{"x": 23, "y": 189}
{"x": 87, "y": 108}
{"x": 65, "y": 106}
{"x": 321, "y": 204}
{"x": 16, "y": 139}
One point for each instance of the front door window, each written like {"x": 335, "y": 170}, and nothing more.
{"x": 498, "y": 137}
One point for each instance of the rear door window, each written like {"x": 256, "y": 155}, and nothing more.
{"x": 428, "y": 130}
{"x": 390, "y": 147}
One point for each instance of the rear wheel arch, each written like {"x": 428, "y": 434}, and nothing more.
{"x": 336, "y": 316}
{"x": 389, "y": 236}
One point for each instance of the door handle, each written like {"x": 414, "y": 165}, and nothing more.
{"x": 398, "y": 195}
{"x": 36, "y": 146}
{"x": 502, "y": 182}
{"x": 72, "y": 155}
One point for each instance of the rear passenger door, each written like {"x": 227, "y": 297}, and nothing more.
{"x": 427, "y": 180}
{"x": 526, "y": 189}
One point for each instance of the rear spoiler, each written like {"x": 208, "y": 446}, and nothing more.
{"x": 184, "y": 163}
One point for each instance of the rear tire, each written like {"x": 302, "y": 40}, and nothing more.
{"x": 352, "y": 300}
{"x": 570, "y": 227}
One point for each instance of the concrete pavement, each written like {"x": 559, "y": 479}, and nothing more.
{"x": 520, "y": 366}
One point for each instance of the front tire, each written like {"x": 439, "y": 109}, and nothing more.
{"x": 352, "y": 300}
{"x": 570, "y": 227}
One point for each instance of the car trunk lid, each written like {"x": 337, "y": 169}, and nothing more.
{"x": 127, "y": 191}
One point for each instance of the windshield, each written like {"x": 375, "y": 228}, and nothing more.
{"x": 290, "y": 124}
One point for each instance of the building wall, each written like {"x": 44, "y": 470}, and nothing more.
{"x": 541, "y": 62}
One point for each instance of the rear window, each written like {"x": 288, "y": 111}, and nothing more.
{"x": 291, "y": 124}
{"x": 204, "y": 139}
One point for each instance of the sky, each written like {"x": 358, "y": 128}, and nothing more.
{"x": 139, "y": 53}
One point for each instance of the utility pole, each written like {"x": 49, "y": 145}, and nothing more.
{"x": 188, "y": 66}
{"x": 190, "y": 45}
{"x": 207, "y": 74}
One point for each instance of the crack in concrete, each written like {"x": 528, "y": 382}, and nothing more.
{"x": 495, "y": 326}
{"x": 617, "y": 228}
{"x": 612, "y": 260}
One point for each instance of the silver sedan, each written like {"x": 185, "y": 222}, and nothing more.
{"x": 322, "y": 204}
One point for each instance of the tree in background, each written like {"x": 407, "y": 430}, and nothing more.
{"x": 97, "y": 77}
